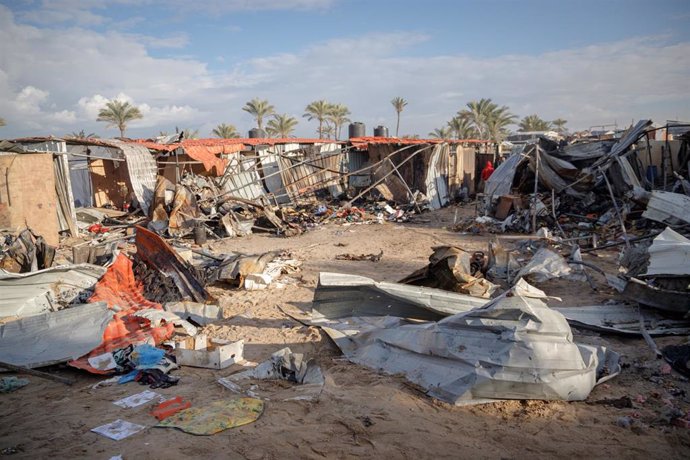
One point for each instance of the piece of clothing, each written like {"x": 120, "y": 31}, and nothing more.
{"x": 487, "y": 171}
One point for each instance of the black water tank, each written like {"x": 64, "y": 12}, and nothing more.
{"x": 380, "y": 131}
{"x": 357, "y": 129}
{"x": 256, "y": 133}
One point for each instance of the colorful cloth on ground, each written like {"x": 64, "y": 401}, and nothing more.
{"x": 216, "y": 417}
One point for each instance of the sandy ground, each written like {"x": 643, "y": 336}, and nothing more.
{"x": 360, "y": 412}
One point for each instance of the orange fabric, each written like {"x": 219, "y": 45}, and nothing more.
{"x": 207, "y": 156}
{"x": 125, "y": 295}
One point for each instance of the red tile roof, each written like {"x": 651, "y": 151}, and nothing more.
{"x": 363, "y": 142}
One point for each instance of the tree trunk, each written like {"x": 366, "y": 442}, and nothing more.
{"x": 397, "y": 125}
{"x": 320, "y": 128}
{"x": 122, "y": 130}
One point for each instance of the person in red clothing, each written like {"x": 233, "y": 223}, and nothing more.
{"x": 487, "y": 171}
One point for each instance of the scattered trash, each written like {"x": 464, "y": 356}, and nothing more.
{"x": 454, "y": 269}
{"x": 358, "y": 257}
{"x": 544, "y": 265}
{"x": 201, "y": 351}
{"x": 283, "y": 365}
{"x": 137, "y": 399}
{"x": 170, "y": 407}
{"x": 678, "y": 356}
{"x": 10, "y": 384}
{"x": 216, "y": 417}
{"x": 118, "y": 430}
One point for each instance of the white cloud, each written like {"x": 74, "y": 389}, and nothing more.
{"x": 60, "y": 78}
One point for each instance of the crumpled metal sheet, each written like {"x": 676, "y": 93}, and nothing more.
{"x": 515, "y": 347}
{"x": 623, "y": 319}
{"x": 153, "y": 250}
{"x": 54, "y": 337}
{"x": 340, "y": 295}
{"x": 501, "y": 181}
{"x": 669, "y": 254}
{"x": 668, "y": 207}
{"x": 26, "y": 294}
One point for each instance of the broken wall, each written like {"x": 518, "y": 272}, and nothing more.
{"x": 27, "y": 194}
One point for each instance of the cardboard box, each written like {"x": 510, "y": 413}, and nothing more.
{"x": 200, "y": 351}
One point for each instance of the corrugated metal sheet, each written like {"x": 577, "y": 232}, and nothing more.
{"x": 669, "y": 254}
{"x": 244, "y": 184}
{"x": 271, "y": 170}
{"x": 356, "y": 161}
{"x": 305, "y": 176}
{"x": 25, "y": 294}
{"x": 54, "y": 337}
{"x": 501, "y": 181}
{"x": 437, "y": 177}
{"x": 142, "y": 170}
{"x": 623, "y": 319}
{"x": 514, "y": 347}
{"x": 667, "y": 207}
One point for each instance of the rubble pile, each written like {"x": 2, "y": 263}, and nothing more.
{"x": 134, "y": 292}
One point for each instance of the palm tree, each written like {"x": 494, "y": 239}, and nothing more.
{"x": 338, "y": 117}
{"x": 2, "y": 121}
{"x": 462, "y": 128}
{"x": 488, "y": 119}
{"x": 534, "y": 123}
{"x": 477, "y": 113}
{"x": 440, "y": 133}
{"x": 225, "y": 131}
{"x": 281, "y": 125}
{"x": 82, "y": 135}
{"x": 119, "y": 113}
{"x": 259, "y": 109}
{"x": 327, "y": 130}
{"x": 497, "y": 123}
{"x": 319, "y": 110}
{"x": 399, "y": 104}
{"x": 559, "y": 124}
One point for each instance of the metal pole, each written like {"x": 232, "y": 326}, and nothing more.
{"x": 615, "y": 205}
{"x": 536, "y": 184}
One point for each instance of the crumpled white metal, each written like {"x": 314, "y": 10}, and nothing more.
{"x": 514, "y": 347}
{"x": 669, "y": 254}
{"x": 25, "y": 294}
{"x": 54, "y": 337}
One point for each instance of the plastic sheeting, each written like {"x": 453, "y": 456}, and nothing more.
{"x": 26, "y": 294}
{"x": 515, "y": 347}
{"x": 54, "y": 337}
{"x": 544, "y": 265}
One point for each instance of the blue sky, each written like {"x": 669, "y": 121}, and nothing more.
{"x": 194, "y": 64}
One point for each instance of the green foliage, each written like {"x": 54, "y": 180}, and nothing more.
{"x": 259, "y": 109}
{"x": 225, "y": 131}
{"x": 281, "y": 125}
{"x": 119, "y": 113}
